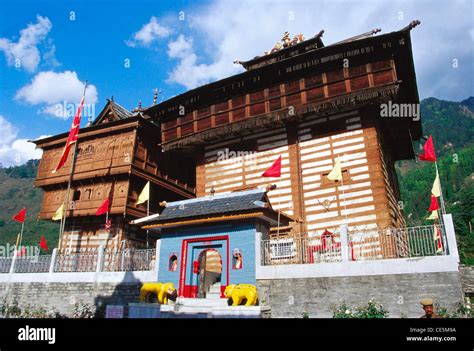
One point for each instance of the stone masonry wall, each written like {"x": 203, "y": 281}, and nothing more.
{"x": 399, "y": 293}
{"x": 467, "y": 278}
{"x": 63, "y": 296}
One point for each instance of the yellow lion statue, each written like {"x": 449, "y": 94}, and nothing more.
{"x": 162, "y": 291}
{"x": 240, "y": 293}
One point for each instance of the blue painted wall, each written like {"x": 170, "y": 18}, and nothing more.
{"x": 241, "y": 235}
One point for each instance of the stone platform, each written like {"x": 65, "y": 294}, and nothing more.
{"x": 197, "y": 308}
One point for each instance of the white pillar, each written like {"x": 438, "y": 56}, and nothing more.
{"x": 157, "y": 257}
{"x": 258, "y": 249}
{"x": 12, "y": 267}
{"x": 100, "y": 258}
{"x": 344, "y": 242}
{"x": 53, "y": 260}
{"x": 451, "y": 236}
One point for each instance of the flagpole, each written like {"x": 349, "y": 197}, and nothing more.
{"x": 443, "y": 209}
{"x": 279, "y": 202}
{"x": 61, "y": 223}
{"x": 21, "y": 233}
{"x": 147, "y": 214}
{"x": 71, "y": 170}
{"x": 66, "y": 199}
{"x": 342, "y": 188}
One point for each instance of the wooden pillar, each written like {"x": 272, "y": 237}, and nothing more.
{"x": 200, "y": 174}
{"x": 295, "y": 174}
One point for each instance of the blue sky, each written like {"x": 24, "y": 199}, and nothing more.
{"x": 128, "y": 48}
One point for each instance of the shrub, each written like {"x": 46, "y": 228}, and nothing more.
{"x": 371, "y": 310}
{"x": 83, "y": 310}
{"x": 462, "y": 311}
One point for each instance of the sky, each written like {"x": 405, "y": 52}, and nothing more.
{"x": 126, "y": 49}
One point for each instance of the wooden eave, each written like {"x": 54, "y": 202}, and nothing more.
{"x": 101, "y": 130}
{"x": 274, "y": 119}
{"x": 260, "y": 78}
{"x": 261, "y": 214}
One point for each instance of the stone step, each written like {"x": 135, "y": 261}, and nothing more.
{"x": 215, "y": 290}
{"x": 214, "y": 302}
{"x": 213, "y": 296}
{"x": 149, "y": 310}
{"x": 169, "y": 311}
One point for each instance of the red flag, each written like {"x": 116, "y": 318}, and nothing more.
{"x": 274, "y": 170}
{"x": 20, "y": 216}
{"x": 43, "y": 243}
{"x": 434, "y": 204}
{"x": 72, "y": 136}
{"x": 429, "y": 154}
{"x": 104, "y": 208}
{"x": 437, "y": 238}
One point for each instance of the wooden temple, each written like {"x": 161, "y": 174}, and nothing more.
{"x": 305, "y": 101}
{"x": 119, "y": 153}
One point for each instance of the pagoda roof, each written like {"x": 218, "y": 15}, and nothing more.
{"x": 112, "y": 111}
{"x": 276, "y": 70}
{"x": 228, "y": 206}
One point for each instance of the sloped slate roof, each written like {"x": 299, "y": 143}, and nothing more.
{"x": 119, "y": 111}
{"x": 218, "y": 204}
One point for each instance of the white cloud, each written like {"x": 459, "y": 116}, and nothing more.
{"x": 13, "y": 151}
{"x": 25, "y": 52}
{"x": 58, "y": 92}
{"x": 181, "y": 47}
{"x": 149, "y": 33}
{"x": 225, "y": 30}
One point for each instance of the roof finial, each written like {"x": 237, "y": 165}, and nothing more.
{"x": 112, "y": 98}
{"x": 155, "y": 96}
{"x": 140, "y": 104}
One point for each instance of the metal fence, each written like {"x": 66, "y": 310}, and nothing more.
{"x": 76, "y": 262}
{"x": 362, "y": 245}
{"x": 396, "y": 243}
{"x": 129, "y": 260}
{"x": 34, "y": 264}
{"x": 83, "y": 261}
{"x": 5, "y": 264}
{"x": 299, "y": 250}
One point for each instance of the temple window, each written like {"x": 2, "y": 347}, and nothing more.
{"x": 77, "y": 195}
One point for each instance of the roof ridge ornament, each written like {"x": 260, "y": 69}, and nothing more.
{"x": 412, "y": 25}
{"x": 285, "y": 43}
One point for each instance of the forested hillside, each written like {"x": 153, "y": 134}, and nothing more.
{"x": 16, "y": 192}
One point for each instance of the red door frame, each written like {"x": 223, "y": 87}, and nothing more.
{"x": 184, "y": 258}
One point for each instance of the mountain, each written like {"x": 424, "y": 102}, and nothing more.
{"x": 450, "y": 123}
{"x": 16, "y": 192}
{"x": 452, "y": 126}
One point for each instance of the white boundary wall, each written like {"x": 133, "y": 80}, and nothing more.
{"x": 428, "y": 264}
